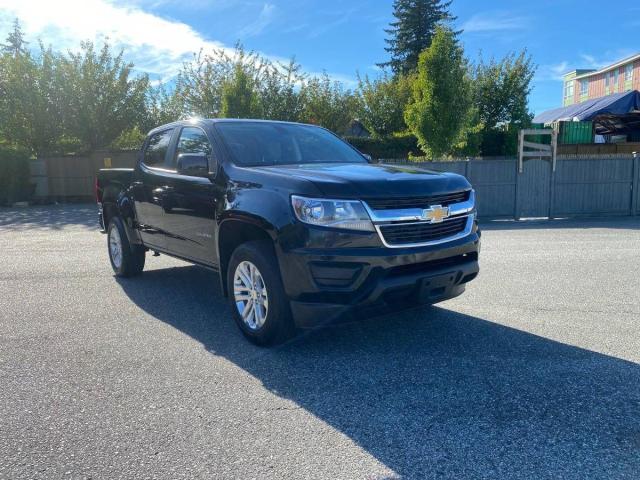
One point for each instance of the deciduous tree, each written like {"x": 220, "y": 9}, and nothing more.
{"x": 381, "y": 103}
{"x": 279, "y": 91}
{"x": 502, "y": 88}
{"x": 102, "y": 96}
{"x": 30, "y": 100}
{"x": 440, "y": 112}
{"x": 327, "y": 103}
{"x": 239, "y": 95}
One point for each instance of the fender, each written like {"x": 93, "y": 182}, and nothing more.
{"x": 252, "y": 227}
{"x": 116, "y": 197}
{"x": 127, "y": 211}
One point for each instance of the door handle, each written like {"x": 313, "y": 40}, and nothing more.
{"x": 162, "y": 196}
{"x": 162, "y": 190}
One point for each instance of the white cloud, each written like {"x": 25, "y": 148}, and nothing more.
{"x": 608, "y": 58}
{"x": 552, "y": 71}
{"x": 257, "y": 27}
{"x": 556, "y": 71}
{"x": 155, "y": 44}
{"x": 341, "y": 17}
{"x": 494, "y": 22}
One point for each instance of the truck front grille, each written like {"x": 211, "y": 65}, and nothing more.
{"x": 417, "y": 202}
{"x": 421, "y": 232}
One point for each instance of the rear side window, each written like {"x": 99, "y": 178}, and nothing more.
{"x": 157, "y": 146}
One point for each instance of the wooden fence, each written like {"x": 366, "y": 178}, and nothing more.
{"x": 578, "y": 187}
{"x": 72, "y": 177}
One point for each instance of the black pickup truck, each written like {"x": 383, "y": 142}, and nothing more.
{"x": 302, "y": 228}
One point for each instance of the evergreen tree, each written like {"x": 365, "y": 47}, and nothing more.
{"x": 413, "y": 30}
{"x": 15, "y": 44}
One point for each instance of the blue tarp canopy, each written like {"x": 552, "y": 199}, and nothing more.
{"x": 614, "y": 104}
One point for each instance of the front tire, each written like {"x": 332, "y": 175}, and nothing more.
{"x": 127, "y": 260}
{"x": 257, "y": 299}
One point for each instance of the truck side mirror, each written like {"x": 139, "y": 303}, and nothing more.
{"x": 368, "y": 157}
{"x": 193, "y": 164}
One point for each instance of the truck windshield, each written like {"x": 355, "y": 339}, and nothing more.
{"x": 258, "y": 143}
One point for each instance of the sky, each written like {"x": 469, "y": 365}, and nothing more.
{"x": 337, "y": 36}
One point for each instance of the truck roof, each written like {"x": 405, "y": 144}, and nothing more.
{"x": 200, "y": 121}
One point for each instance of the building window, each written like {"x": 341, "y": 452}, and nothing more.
{"x": 584, "y": 87}
{"x": 568, "y": 90}
{"x": 606, "y": 80}
{"x": 615, "y": 77}
{"x": 628, "y": 72}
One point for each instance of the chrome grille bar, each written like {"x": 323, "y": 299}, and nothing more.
{"x": 408, "y": 217}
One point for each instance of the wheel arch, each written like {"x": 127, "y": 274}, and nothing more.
{"x": 232, "y": 233}
{"x": 122, "y": 206}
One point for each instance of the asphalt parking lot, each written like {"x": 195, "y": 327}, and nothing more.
{"x": 533, "y": 373}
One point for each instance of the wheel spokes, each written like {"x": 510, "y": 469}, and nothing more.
{"x": 248, "y": 309}
{"x": 115, "y": 247}
{"x": 246, "y": 280}
{"x": 250, "y": 295}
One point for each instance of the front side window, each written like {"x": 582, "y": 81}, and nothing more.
{"x": 156, "y": 151}
{"x": 271, "y": 143}
{"x": 192, "y": 140}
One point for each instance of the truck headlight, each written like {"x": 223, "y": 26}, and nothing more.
{"x": 346, "y": 214}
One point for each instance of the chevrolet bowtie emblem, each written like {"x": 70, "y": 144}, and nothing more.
{"x": 435, "y": 214}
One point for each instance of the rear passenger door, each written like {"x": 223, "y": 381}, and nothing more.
{"x": 150, "y": 185}
{"x": 190, "y": 223}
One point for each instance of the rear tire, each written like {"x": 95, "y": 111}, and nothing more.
{"x": 257, "y": 299}
{"x": 127, "y": 260}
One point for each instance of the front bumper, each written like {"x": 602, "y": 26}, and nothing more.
{"x": 363, "y": 281}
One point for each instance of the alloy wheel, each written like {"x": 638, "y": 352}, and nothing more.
{"x": 250, "y": 295}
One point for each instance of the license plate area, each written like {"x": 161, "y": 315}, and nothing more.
{"x": 433, "y": 288}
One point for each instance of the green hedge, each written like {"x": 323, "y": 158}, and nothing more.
{"x": 396, "y": 147}
{"x": 14, "y": 176}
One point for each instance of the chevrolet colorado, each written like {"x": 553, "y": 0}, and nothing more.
{"x": 301, "y": 227}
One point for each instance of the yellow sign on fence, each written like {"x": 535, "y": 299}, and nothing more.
{"x": 107, "y": 162}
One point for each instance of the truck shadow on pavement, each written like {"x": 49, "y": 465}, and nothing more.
{"x": 431, "y": 393}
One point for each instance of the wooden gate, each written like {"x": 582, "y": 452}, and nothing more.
{"x": 536, "y": 168}
{"x": 533, "y": 189}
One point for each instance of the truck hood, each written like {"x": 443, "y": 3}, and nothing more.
{"x": 351, "y": 180}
